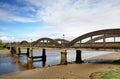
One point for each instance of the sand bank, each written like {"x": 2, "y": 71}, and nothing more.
{"x": 4, "y": 52}
{"x": 79, "y": 71}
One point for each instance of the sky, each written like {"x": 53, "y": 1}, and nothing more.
{"x": 33, "y": 19}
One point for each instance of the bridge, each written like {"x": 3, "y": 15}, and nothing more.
{"x": 95, "y": 40}
{"x": 98, "y": 39}
{"x": 107, "y": 38}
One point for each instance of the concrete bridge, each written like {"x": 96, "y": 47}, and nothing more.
{"x": 94, "y": 40}
{"x": 97, "y": 39}
{"x": 42, "y": 42}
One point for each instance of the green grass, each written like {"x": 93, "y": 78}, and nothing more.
{"x": 1, "y": 48}
{"x": 113, "y": 74}
{"x": 96, "y": 75}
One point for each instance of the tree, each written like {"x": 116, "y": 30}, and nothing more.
{"x": 2, "y": 44}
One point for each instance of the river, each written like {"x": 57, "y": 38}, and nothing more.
{"x": 10, "y": 64}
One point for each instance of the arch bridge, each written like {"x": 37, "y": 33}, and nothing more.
{"x": 42, "y": 42}
{"x": 107, "y": 38}
{"x": 45, "y": 42}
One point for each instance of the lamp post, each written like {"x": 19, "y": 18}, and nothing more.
{"x": 30, "y": 42}
{"x": 63, "y": 36}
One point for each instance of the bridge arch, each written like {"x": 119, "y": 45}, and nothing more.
{"x": 45, "y": 41}
{"x": 60, "y": 41}
{"x": 12, "y": 44}
{"x": 24, "y": 43}
{"x": 102, "y": 34}
{"x": 101, "y": 37}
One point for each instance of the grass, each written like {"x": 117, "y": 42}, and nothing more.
{"x": 96, "y": 75}
{"x": 1, "y": 48}
{"x": 113, "y": 74}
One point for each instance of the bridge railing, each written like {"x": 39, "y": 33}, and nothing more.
{"x": 111, "y": 45}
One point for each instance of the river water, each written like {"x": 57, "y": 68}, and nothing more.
{"x": 9, "y": 64}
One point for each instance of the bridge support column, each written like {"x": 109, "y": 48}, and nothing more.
{"x": 114, "y": 39}
{"x": 30, "y": 53}
{"x": 104, "y": 40}
{"x": 78, "y": 56}
{"x": 10, "y": 49}
{"x": 64, "y": 57}
{"x": 91, "y": 41}
{"x": 43, "y": 57}
{"x": 43, "y": 54}
{"x": 29, "y": 64}
{"x": 13, "y": 50}
{"x": 18, "y": 51}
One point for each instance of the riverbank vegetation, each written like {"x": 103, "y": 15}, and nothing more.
{"x": 113, "y": 74}
{"x": 2, "y": 45}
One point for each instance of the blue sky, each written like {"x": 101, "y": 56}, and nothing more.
{"x": 34, "y": 19}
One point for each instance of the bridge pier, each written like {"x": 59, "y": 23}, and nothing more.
{"x": 78, "y": 56}
{"x": 44, "y": 55}
{"x": 30, "y": 53}
{"x": 18, "y": 51}
{"x": 31, "y": 58}
{"x": 13, "y": 51}
{"x": 29, "y": 64}
{"x": 63, "y": 57}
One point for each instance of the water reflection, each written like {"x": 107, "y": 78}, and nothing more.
{"x": 24, "y": 63}
{"x": 31, "y": 63}
{"x": 7, "y": 65}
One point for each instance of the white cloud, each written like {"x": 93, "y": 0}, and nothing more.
{"x": 6, "y": 38}
{"x": 14, "y": 13}
{"x": 82, "y": 16}
{"x": 70, "y": 17}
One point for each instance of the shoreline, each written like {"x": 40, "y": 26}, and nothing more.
{"x": 70, "y": 71}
